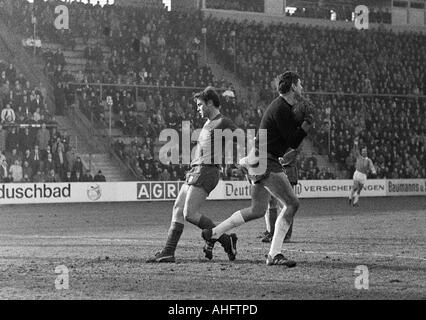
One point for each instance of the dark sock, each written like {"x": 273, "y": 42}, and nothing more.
{"x": 173, "y": 237}
{"x": 272, "y": 219}
{"x": 289, "y": 232}
{"x": 207, "y": 223}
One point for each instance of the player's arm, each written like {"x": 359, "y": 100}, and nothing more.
{"x": 371, "y": 167}
{"x": 289, "y": 158}
{"x": 283, "y": 119}
{"x": 356, "y": 148}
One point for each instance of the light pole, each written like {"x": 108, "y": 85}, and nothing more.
{"x": 34, "y": 22}
{"x": 234, "y": 36}
{"x": 328, "y": 113}
{"x": 204, "y": 32}
{"x": 109, "y": 104}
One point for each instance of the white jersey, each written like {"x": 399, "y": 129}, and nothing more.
{"x": 364, "y": 165}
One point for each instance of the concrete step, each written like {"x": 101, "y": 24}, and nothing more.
{"x": 73, "y": 54}
{"x": 76, "y": 61}
{"x": 104, "y": 163}
{"x": 74, "y": 68}
{"x": 91, "y": 41}
{"x": 219, "y": 72}
{"x": 51, "y": 46}
{"x": 80, "y": 48}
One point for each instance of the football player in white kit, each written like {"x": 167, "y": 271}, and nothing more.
{"x": 363, "y": 166}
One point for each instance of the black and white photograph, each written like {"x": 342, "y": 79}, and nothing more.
{"x": 213, "y": 155}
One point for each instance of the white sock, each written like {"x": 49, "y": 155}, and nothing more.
{"x": 356, "y": 198}
{"x": 281, "y": 228}
{"x": 268, "y": 225}
{"x": 233, "y": 221}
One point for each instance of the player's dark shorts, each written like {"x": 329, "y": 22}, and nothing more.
{"x": 203, "y": 176}
{"x": 272, "y": 165}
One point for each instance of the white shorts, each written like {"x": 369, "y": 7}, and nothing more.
{"x": 360, "y": 177}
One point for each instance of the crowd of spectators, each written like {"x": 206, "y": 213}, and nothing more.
{"x": 31, "y": 148}
{"x": 392, "y": 128}
{"x": 376, "y": 62}
{"x": 360, "y": 62}
{"x": 239, "y": 5}
{"x": 154, "y": 47}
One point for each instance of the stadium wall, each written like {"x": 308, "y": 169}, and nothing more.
{"x": 32, "y": 193}
{"x": 280, "y": 18}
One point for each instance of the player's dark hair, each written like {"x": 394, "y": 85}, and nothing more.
{"x": 208, "y": 94}
{"x": 285, "y": 80}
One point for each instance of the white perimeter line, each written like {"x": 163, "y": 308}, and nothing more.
{"x": 355, "y": 254}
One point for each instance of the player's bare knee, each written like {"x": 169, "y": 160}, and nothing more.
{"x": 294, "y": 204}
{"x": 177, "y": 209}
{"x": 189, "y": 216}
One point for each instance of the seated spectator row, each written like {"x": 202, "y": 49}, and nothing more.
{"x": 392, "y": 128}
{"x": 31, "y": 152}
{"x": 148, "y": 45}
{"x": 361, "y": 62}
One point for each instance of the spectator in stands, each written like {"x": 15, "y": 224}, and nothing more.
{"x": 8, "y": 114}
{"x": 36, "y": 159}
{"x": 67, "y": 177}
{"x": 70, "y": 157}
{"x": 37, "y": 115}
{"x": 48, "y": 164}
{"x": 27, "y": 158}
{"x": 164, "y": 175}
{"x": 52, "y": 176}
{"x": 3, "y": 135}
{"x": 26, "y": 140}
{"x": 12, "y": 156}
{"x": 43, "y": 137}
{"x": 9, "y": 178}
{"x": 4, "y": 170}
{"x": 87, "y": 176}
{"x": 27, "y": 171}
{"x": 77, "y": 166}
{"x": 99, "y": 177}
{"x": 148, "y": 172}
{"x": 39, "y": 177}
{"x": 58, "y": 151}
{"x": 16, "y": 171}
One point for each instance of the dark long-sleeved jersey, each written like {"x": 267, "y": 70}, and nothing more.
{"x": 283, "y": 131}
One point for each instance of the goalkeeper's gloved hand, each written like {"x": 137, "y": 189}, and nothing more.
{"x": 288, "y": 158}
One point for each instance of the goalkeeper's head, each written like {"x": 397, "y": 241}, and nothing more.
{"x": 289, "y": 83}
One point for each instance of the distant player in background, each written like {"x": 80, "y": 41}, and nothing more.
{"x": 363, "y": 166}
{"x": 200, "y": 181}
{"x": 288, "y": 162}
